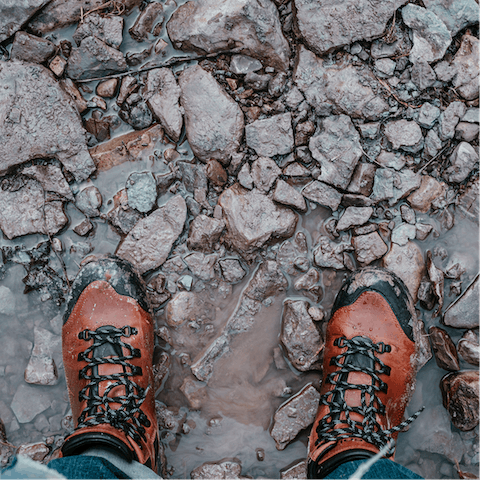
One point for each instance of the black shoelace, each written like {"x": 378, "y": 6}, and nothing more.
{"x": 360, "y": 356}
{"x": 107, "y": 348}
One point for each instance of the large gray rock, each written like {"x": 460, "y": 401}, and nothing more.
{"x": 325, "y": 25}
{"x": 431, "y": 37}
{"x": 253, "y": 219}
{"x": 149, "y": 243}
{"x": 30, "y": 48}
{"x": 404, "y": 134}
{"x": 94, "y": 58}
{"x": 466, "y": 67}
{"x": 322, "y": 194}
{"x": 38, "y": 119}
{"x": 336, "y": 147}
{"x": 369, "y": 247}
{"x": 463, "y": 312}
{"x": 204, "y": 232}
{"x": 214, "y": 122}
{"x": 162, "y": 95}
{"x": 271, "y": 136}
{"x": 14, "y": 14}
{"x": 109, "y": 29}
{"x": 251, "y": 26}
{"x": 343, "y": 87}
{"x": 463, "y": 161}
{"x": 455, "y": 14}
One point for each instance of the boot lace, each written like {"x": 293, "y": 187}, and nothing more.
{"x": 126, "y": 415}
{"x": 368, "y": 429}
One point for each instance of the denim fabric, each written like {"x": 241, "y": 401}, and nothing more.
{"x": 85, "y": 466}
{"x": 382, "y": 469}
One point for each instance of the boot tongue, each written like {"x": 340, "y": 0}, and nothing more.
{"x": 361, "y": 360}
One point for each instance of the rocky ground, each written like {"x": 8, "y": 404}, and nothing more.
{"x": 244, "y": 156}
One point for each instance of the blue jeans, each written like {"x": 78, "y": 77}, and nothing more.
{"x": 85, "y": 466}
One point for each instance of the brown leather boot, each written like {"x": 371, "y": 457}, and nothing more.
{"x": 369, "y": 370}
{"x": 108, "y": 342}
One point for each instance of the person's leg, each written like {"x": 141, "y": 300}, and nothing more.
{"x": 383, "y": 469}
{"x": 369, "y": 371}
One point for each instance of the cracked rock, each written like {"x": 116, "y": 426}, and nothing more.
{"x": 429, "y": 190}
{"x": 251, "y": 26}
{"x": 288, "y": 195}
{"x": 369, "y": 247}
{"x": 214, "y": 122}
{"x": 202, "y": 266}
{"x": 449, "y": 119}
{"x": 362, "y": 179}
{"x": 329, "y": 254}
{"x": 403, "y": 233}
{"x": 108, "y": 29}
{"x": 89, "y": 201}
{"x": 456, "y": 15}
{"x": 271, "y": 136}
{"x": 463, "y": 312}
{"x": 428, "y": 115}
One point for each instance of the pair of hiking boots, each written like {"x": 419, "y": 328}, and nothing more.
{"x": 369, "y": 367}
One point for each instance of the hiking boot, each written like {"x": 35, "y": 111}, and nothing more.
{"x": 108, "y": 342}
{"x": 369, "y": 369}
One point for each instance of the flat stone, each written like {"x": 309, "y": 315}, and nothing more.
{"x": 271, "y": 136}
{"x": 41, "y": 121}
{"x": 148, "y": 244}
{"x": 13, "y": 15}
{"x": 322, "y": 194}
{"x": 89, "y": 200}
{"x": 407, "y": 262}
{"x": 403, "y": 233}
{"x": 404, "y": 134}
{"x": 232, "y": 270}
{"x": 108, "y": 29}
{"x": 149, "y": 21}
{"x": 466, "y": 66}
{"x": 422, "y": 198}
{"x": 288, "y": 195}
{"x": 162, "y": 95}
{"x": 449, "y": 119}
{"x": 428, "y": 115}
{"x": 324, "y": 25}
{"x": 431, "y": 37}
{"x": 456, "y": 15}
{"x": 243, "y": 64}
{"x": 354, "y": 216}
{"x": 395, "y": 160}
{"x": 202, "y": 266}
{"x": 296, "y": 170}
{"x": 385, "y": 67}
{"x": 181, "y": 308}
{"x": 94, "y": 58}
{"x": 300, "y": 336}
{"x": 460, "y": 398}
{"x": 30, "y": 48}
{"x": 26, "y": 209}
{"x": 345, "y": 87}
{"x": 264, "y": 173}
{"x": 468, "y": 347}
{"x": 463, "y": 312}
{"x": 362, "y": 179}
{"x": 329, "y": 254}
{"x": 204, "y": 232}
{"x": 422, "y": 75}
{"x": 463, "y": 160}
{"x": 28, "y": 402}
{"x": 222, "y": 469}
{"x": 214, "y": 122}
{"x": 297, "y": 413}
{"x": 369, "y": 247}
{"x": 444, "y": 349}
{"x": 252, "y": 27}
{"x": 141, "y": 191}
{"x": 253, "y": 219}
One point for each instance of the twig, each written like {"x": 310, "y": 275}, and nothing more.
{"x": 395, "y": 96}
{"x": 81, "y": 14}
{"x": 435, "y": 157}
{"x": 8, "y": 444}
{"x": 369, "y": 157}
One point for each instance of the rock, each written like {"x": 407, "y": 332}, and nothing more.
{"x": 468, "y": 202}
{"x": 354, "y": 216}
{"x": 7, "y": 301}
{"x": 204, "y": 233}
{"x": 108, "y": 29}
{"x": 162, "y": 95}
{"x": 128, "y": 86}
{"x": 431, "y": 37}
{"x": 391, "y": 160}
{"x": 463, "y": 160}
{"x": 242, "y": 64}
{"x": 222, "y": 469}
{"x": 460, "y": 398}
{"x": 428, "y": 115}
{"x": 232, "y": 270}
{"x": 149, "y": 243}
{"x": 84, "y": 228}
{"x": 403, "y": 233}
{"x": 296, "y": 171}
{"x": 325, "y": 26}
{"x": 329, "y": 254}
{"x": 136, "y": 113}
{"x": 468, "y": 347}
{"x": 456, "y": 15}
{"x": 50, "y": 177}
{"x": 257, "y": 82}
{"x": 253, "y": 219}
{"x": 395, "y": 44}
{"x": 385, "y": 67}
{"x": 342, "y": 86}
{"x": 362, "y": 179}
{"x": 300, "y": 337}
{"x": 369, "y": 130}
{"x": 425, "y": 294}
{"x": 128, "y": 147}
{"x": 422, "y": 75}
{"x": 404, "y": 134}
{"x": 94, "y": 58}
{"x": 69, "y": 86}
{"x": 107, "y": 88}
{"x": 244, "y": 177}
{"x": 369, "y": 247}
{"x": 214, "y": 122}
{"x": 293, "y": 98}
{"x": 216, "y": 173}
{"x": 150, "y": 17}
{"x": 271, "y": 136}
{"x": 287, "y": 195}
{"x": 58, "y": 65}
{"x": 472, "y": 115}
{"x": 30, "y": 48}
{"x": 252, "y": 28}
{"x": 422, "y": 198}
{"x": 444, "y": 349}
{"x": 181, "y": 308}
{"x": 303, "y": 132}
{"x": 277, "y": 84}
{"x": 89, "y": 201}
{"x": 14, "y": 15}
{"x": 41, "y": 121}
{"x": 466, "y": 131}
{"x": 297, "y": 413}
{"x": 449, "y": 119}
{"x": 433, "y": 144}
{"x": 28, "y": 402}
{"x": 407, "y": 262}
{"x": 141, "y": 191}
{"x": 298, "y": 471}
{"x": 463, "y": 312}
{"x": 336, "y": 147}
{"x": 25, "y": 208}
{"x": 202, "y": 266}
{"x": 322, "y": 194}
{"x": 264, "y": 173}
{"x": 36, "y": 451}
